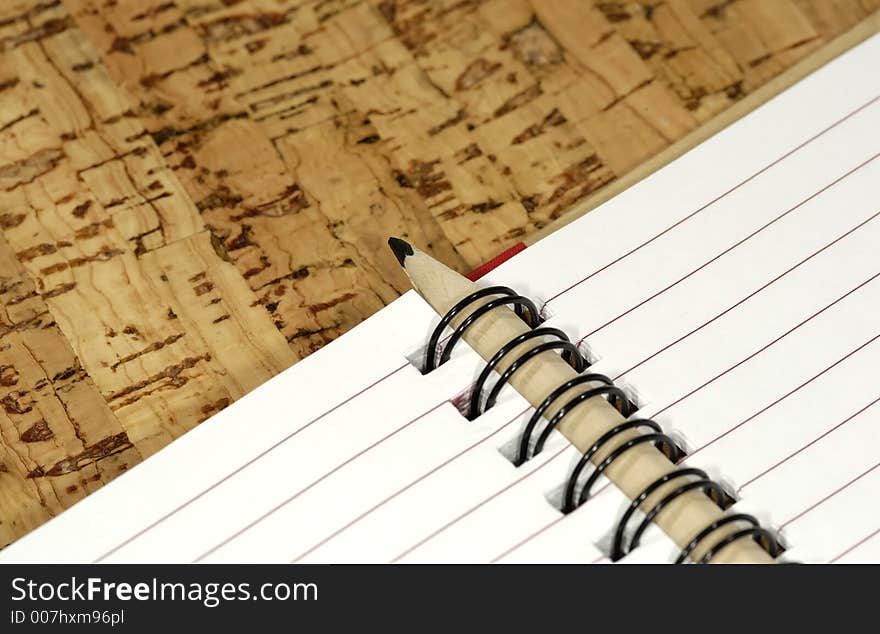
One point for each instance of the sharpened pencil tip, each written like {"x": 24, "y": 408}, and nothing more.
{"x": 400, "y": 248}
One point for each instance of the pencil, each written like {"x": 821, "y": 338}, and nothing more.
{"x": 684, "y": 517}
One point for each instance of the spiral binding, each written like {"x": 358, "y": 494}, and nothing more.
{"x": 755, "y": 531}
{"x": 694, "y": 479}
{"x": 570, "y": 352}
{"x": 659, "y": 439}
{"x": 509, "y": 297}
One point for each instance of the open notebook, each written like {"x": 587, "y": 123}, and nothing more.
{"x": 735, "y": 294}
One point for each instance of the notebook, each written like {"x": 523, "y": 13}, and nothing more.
{"x": 734, "y": 295}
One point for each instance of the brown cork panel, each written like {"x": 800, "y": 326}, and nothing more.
{"x": 124, "y": 324}
{"x": 194, "y": 194}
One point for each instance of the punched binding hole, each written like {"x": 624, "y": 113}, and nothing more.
{"x": 726, "y": 498}
{"x": 416, "y": 358}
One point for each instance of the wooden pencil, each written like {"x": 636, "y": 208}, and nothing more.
{"x": 684, "y": 517}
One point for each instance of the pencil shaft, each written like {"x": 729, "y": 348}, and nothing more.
{"x": 681, "y": 519}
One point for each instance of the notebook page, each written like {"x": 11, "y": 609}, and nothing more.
{"x": 732, "y": 292}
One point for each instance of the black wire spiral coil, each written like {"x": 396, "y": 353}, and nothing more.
{"x": 693, "y": 479}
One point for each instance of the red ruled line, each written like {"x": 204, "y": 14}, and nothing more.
{"x": 784, "y": 396}
{"x": 730, "y": 248}
{"x": 244, "y": 466}
{"x": 759, "y": 351}
{"x": 827, "y": 433}
{"x": 525, "y": 540}
{"x": 318, "y": 481}
{"x": 749, "y": 296}
{"x": 863, "y": 540}
{"x": 477, "y": 506}
{"x": 548, "y": 526}
{"x": 402, "y": 490}
{"x": 713, "y": 201}
{"x": 827, "y": 497}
